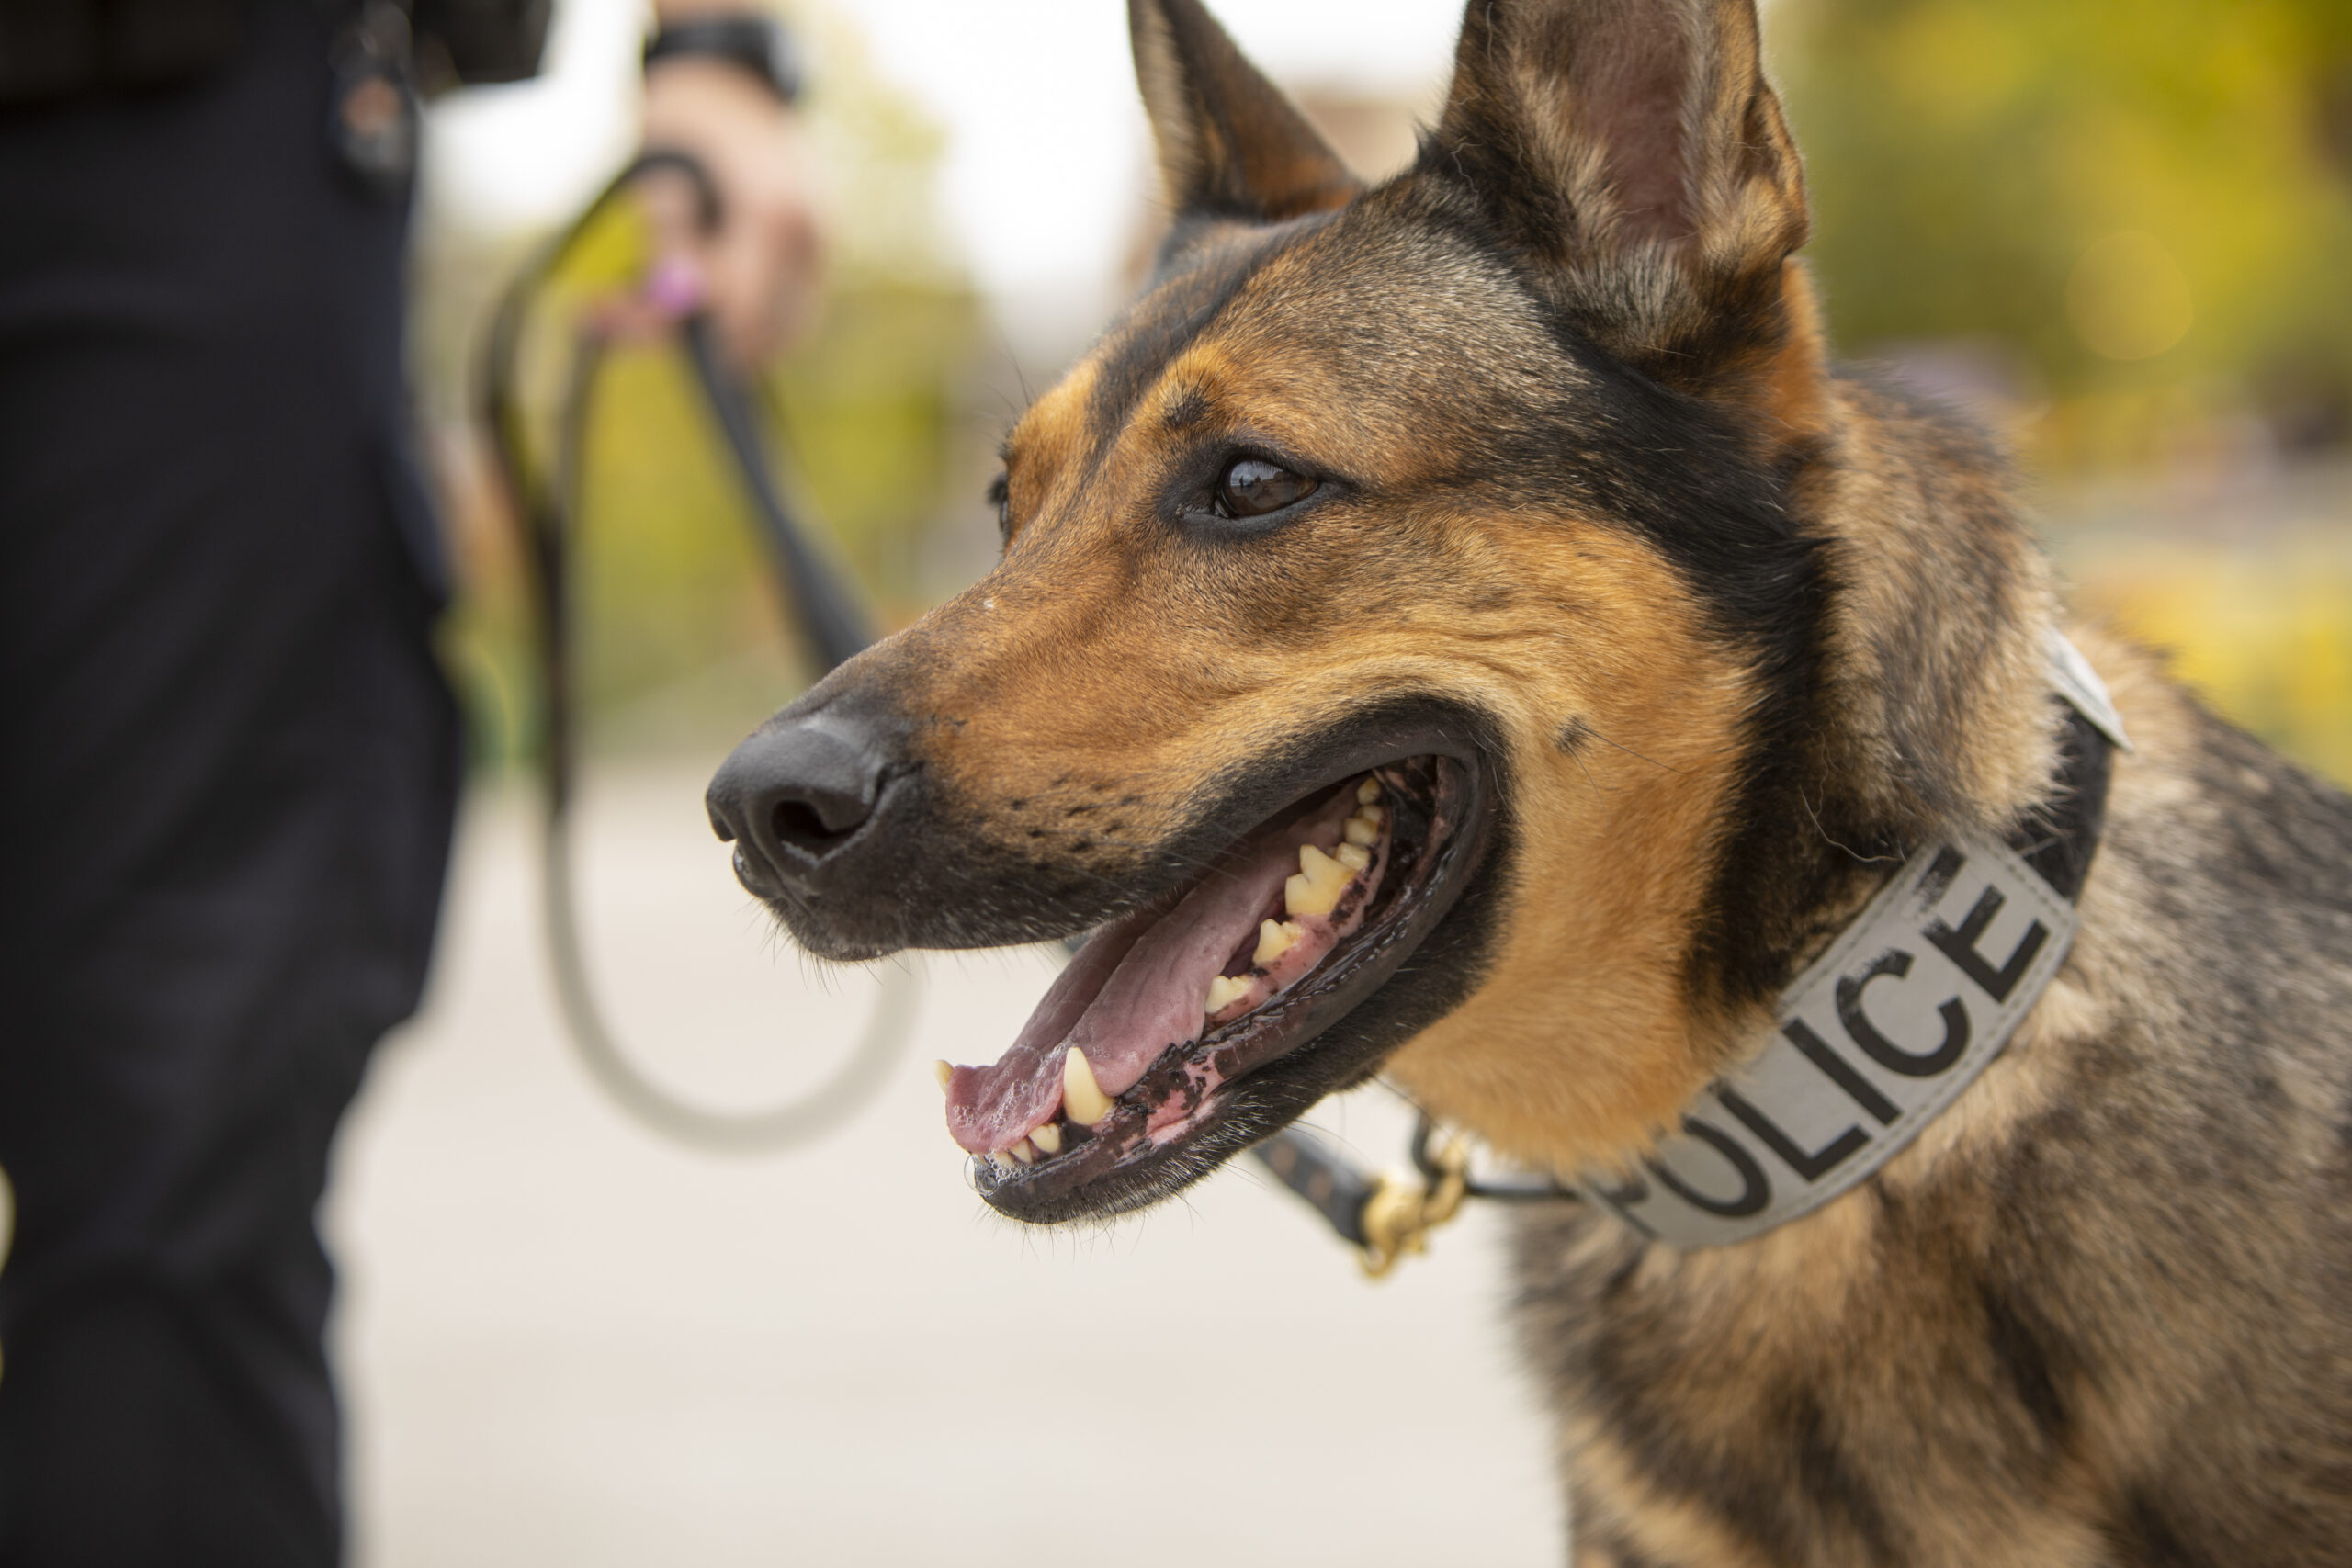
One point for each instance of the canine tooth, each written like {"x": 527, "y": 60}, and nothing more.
{"x": 1223, "y": 990}
{"x": 1315, "y": 890}
{"x": 1275, "y": 938}
{"x": 1358, "y": 830}
{"x": 1368, "y": 791}
{"x": 944, "y": 1072}
{"x": 1355, "y": 857}
{"x": 1048, "y": 1138}
{"x": 1081, "y": 1096}
{"x": 1021, "y": 1151}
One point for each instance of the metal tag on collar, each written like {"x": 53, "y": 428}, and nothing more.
{"x": 373, "y": 117}
{"x": 2079, "y": 684}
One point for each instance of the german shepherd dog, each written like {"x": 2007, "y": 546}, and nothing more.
{"x": 1466, "y": 629}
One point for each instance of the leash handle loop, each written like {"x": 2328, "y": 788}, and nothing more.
{"x": 827, "y": 612}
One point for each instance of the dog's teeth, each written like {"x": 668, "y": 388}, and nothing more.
{"x": 1081, "y": 1096}
{"x": 1367, "y": 792}
{"x": 1315, "y": 890}
{"x": 1355, "y": 857}
{"x": 1048, "y": 1138}
{"x": 1003, "y": 1162}
{"x": 1373, "y": 813}
{"x": 944, "y": 1072}
{"x": 1275, "y": 938}
{"x": 1358, "y": 830}
{"x": 1224, "y": 990}
{"x": 1021, "y": 1151}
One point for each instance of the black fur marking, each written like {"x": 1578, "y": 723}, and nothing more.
{"x": 1617, "y": 1359}
{"x": 1624, "y": 1556}
{"x": 1573, "y": 737}
{"x": 1745, "y": 1502}
{"x": 1189, "y": 409}
{"x": 2143, "y": 1538}
{"x": 2027, "y": 1357}
{"x": 1836, "y": 1489}
{"x": 1782, "y": 1499}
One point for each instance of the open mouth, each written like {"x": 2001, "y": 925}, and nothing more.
{"x": 1127, "y": 1079}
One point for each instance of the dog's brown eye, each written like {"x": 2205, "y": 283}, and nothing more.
{"x": 1001, "y": 497}
{"x": 1251, "y": 486}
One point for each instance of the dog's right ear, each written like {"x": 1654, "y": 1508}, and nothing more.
{"x": 1633, "y": 151}
{"x": 1230, "y": 144}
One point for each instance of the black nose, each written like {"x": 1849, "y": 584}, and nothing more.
{"x": 793, "y": 795}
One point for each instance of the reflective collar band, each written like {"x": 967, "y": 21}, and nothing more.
{"x": 1900, "y": 1015}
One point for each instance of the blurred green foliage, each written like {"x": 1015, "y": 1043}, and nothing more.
{"x": 2264, "y": 633}
{"x": 2147, "y": 206}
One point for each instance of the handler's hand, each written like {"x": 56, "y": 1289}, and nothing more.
{"x": 758, "y": 272}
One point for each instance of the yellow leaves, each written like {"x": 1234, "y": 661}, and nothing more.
{"x": 2127, "y": 298}
{"x": 2263, "y": 631}
{"x": 1956, "y": 66}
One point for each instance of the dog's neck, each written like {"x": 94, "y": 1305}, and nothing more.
{"x": 1885, "y": 1031}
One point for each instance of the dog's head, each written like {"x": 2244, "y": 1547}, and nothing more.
{"x": 1417, "y": 643}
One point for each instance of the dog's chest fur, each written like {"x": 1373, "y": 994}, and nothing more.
{"x": 2117, "y": 1276}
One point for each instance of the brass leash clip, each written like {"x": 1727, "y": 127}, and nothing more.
{"x": 1403, "y": 1208}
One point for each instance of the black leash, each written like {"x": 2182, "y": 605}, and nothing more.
{"x": 826, "y": 610}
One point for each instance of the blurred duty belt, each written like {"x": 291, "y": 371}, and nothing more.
{"x": 1871, "y": 1041}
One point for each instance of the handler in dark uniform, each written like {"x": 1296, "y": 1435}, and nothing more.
{"x": 227, "y": 761}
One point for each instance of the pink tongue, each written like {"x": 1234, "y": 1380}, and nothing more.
{"x": 1133, "y": 990}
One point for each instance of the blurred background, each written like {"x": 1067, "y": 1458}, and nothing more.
{"x": 2125, "y": 244}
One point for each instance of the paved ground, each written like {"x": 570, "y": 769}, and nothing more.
{"x": 568, "y": 1344}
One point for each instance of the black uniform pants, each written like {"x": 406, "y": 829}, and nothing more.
{"x": 228, "y": 764}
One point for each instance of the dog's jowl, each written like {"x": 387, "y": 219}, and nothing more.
{"x": 1468, "y": 629}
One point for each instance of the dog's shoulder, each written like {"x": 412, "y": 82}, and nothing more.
{"x": 2116, "y": 1262}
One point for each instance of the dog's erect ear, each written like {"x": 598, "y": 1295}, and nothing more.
{"x": 1230, "y": 144}
{"x": 1634, "y": 149}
